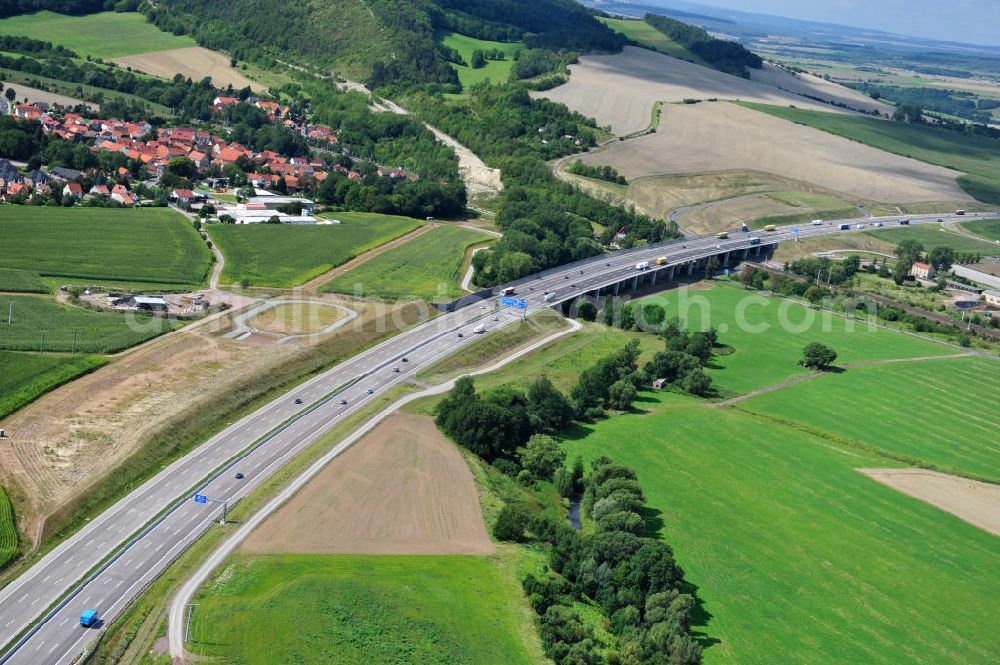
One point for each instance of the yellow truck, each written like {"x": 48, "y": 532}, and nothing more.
{"x": 662, "y": 261}
{"x": 770, "y": 227}
{"x": 721, "y": 235}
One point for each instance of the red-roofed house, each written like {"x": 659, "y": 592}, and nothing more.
{"x": 27, "y": 111}
{"x": 270, "y": 107}
{"x": 922, "y": 270}
{"x": 185, "y": 196}
{"x": 220, "y": 103}
{"x": 100, "y": 190}
{"x": 200, "y": 159}
{"x": 73, "y": 189}
{"x": 229, "y": 155}
{"x": 121, "y": 194}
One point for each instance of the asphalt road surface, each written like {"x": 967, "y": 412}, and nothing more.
{"x": 115, "y": 556}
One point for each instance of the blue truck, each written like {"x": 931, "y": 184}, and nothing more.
{"x": 88, "y": 618}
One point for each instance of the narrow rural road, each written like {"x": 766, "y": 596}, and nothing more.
{"x": 180, "y": 602}
{"x": 467, "y": 280}
{"x": 813, "y": 375}
{"x": 220, "y": 263}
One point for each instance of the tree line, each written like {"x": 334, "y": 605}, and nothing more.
{"x": 633, "y": 578}
{"x": 605, "y": 172}
{"x": 189, "y": 99}
{"x": 723, "y": 55}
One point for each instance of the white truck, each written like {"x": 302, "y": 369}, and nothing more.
{"x": 642, "y": 266}
{"x": 550, "y": 296}
{"x": 480, "y": 329}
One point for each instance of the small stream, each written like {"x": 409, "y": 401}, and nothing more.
{"x": 574, "y": 511}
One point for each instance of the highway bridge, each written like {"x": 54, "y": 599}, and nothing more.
{"x": 115, "y": 556}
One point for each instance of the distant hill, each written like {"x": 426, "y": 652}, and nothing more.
{"x": 383, "y": 42}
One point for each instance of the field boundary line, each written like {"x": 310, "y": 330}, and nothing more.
{"x": 317, "y": 282}
{"x": 863, "y": 363}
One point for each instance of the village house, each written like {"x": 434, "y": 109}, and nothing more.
{"x": 73, "y": 189}
{"x": 220, "y": 103}
{"x": 100, "y": 190}
{"x": 922, "y": 270}
{"x": 992, "y": 298}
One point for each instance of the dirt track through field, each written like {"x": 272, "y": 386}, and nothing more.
{"x": 620, "y": 90}
{"x": 719, "y": 136}
{"x": 402, "y": 489}
{"x": 192, "y": 61}
{"x": 975, "y": 502}
{"x": 315, "y": 283}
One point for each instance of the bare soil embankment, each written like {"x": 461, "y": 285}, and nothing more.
{"x": 402, "y": 489}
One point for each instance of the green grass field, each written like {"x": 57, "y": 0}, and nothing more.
{"x": 793, "y": 552}
{"x": 287, "y": 255}
{"x": 646, "y": 35}
{"x": 931, "y": 236}
{"x": 768, "y": 334}
{"x": 102, "y": 35}
{"x": 39, "y": 323}
{"x": 26, "y": 376}
{"x": 498, "y": 71}
{"x": 154, "y": 245}
{"x": 940, "y": 411}
{"x": 22, "y": 281}
{"x": 987, "y": 228}
{"x": 328, "y": 609}
{"x": 973, "y": 155}
{"x": 8, "y": 530}
{"x": 426, "y": 267}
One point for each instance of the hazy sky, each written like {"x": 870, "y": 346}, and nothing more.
{"x": 970, "y": 21}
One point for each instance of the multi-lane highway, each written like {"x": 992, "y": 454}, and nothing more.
{"x": 116, "y": 555}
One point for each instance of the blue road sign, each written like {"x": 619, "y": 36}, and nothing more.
{"x": 200, "y": 498}
{"x": 795, "y": 229}
{"x": 513, "y": 302}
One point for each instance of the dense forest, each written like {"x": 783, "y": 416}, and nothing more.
{"x": 13, "y": 7}
{"x": 389, "y": 44}
{"x": 725, "y": 56}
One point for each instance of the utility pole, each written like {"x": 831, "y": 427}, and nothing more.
{"x": 74, "y": 341}
{"x": 41, "y": 345}
{"x": 10, "y": 312}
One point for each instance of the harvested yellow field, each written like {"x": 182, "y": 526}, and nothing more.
{"x": 718, "y": 136}
{"x": 620, "y": 90}
{"x": 192, "y": 61}
{"x": 807, "y": 84}
{"x": 662, "y": 193}
{"x": 22, "y": 92}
